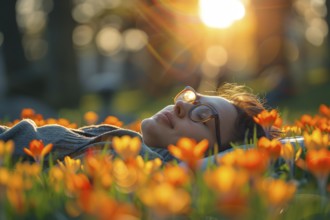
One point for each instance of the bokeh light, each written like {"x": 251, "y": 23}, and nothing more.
{"x": 109, "y": 41}
{"x": 318, "y": 7}
{"x": 317, "y": 31}
{"x": 82, "y": 35}
{"x": 221, "y": 13}
{"x": 83, "y": 12}
{"x": 135, "y": 39}
{"x": 216, "y": 55}
{"x": 30, "y": 16}
{"x": 313, "y": 12}
{"x": 314, "y": 35}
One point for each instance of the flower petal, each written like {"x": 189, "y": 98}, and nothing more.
{"x": 28, "y": 152}
{"x": 175, "y": 151}
{"x": 46, "y": 149}
{"x": 201, "y": 147}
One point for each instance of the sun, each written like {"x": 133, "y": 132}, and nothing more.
{"x": 220, "y": 13}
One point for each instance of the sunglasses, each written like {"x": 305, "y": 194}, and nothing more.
{"x": 199, "y": 112}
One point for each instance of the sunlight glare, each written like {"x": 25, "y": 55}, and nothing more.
{"x": 221, "y": 13}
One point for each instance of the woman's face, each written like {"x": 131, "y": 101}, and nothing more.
{"x": 173, "y": 122}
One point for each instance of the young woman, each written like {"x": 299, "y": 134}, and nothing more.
{"x": 221, "y": 119}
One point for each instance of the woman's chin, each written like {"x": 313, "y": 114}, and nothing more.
{"x": 146, "y": 126}
{"x": 148, "y": 130}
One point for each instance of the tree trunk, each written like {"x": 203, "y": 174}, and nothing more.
{"x": 64, "y": 85}
{"x": 271, "y": 18}
{"x": 328, "y": 39}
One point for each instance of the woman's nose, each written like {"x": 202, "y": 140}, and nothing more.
{"x": 180, "y": 109}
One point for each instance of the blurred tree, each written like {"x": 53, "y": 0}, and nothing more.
{"x": 271, "y": 19}
{"x": 20, "y": 78}
{"x": 63, "y": 83}
{"x": 53, "y": 79}
{"x": 328, "y": 40}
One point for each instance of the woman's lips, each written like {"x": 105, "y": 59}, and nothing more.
{"x": 169, "y": 118}
{"x": 166, "y": 117}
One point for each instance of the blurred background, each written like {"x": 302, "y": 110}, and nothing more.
{"x": 128, "y": 58}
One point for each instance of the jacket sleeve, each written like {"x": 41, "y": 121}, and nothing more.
{"x": 72, "y": 142}
{"x": 64, "y": 140}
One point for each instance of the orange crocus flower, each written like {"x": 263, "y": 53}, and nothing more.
{"x": 28, "y": 169}
{"x": 56, "y": 176}
{"x": 37, "y": 150}
{"x": 324, "y": 125}
{"x": 189, "y": 151}
{"x": 6, "y": 148}
{"x": 272, "y": 147}
{"x": 70, "y": 165}
{"x": 66, "y": 123}
{"x": 17, "y": 199}
{"x": 306, "y": 121}
{"x": 165, "y": 199}
{"x": 112, "y": 120}
{"x": 105, "y": 208}
{"x": 126, "y": 146}
{"x": 149, "y": 166}
{"x": 231, "y": 158}
{"x": 27, "y": 113}
{"x": 76, "y": 183}
{"x": 135, "y": 126}
{"x": 318, "y": 162}
{"x": 127, "y": 176}
{"x": 277, "y": 192}
{"x": 254, "y": 161}
{"x": 229, "y": 184}
{"x": 4, "y": 176}
{"x": 177, "y": 176}
{"x": 31, "y": 114}
{"x": 325, "y": 110}
{"x": 99, "y": 205}
{"x": 226, "y": 179}
{"x": 91, "y": 117}
{"x": 316, "y": 140}
{"x": 98, "y": 168}
{"x": 291, "y": 130}
{"x": 267, "y": 119}
{"x": 97, "y": 164}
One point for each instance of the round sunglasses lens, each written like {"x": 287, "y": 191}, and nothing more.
{"x": 189, "y": 96}
{"x": 201, "y": 113}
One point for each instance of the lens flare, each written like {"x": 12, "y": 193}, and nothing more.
{"x": 220, "y": 13}
{"x": 187, "y": 8}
